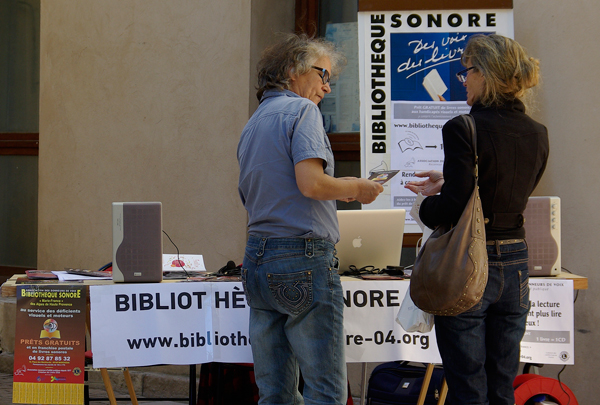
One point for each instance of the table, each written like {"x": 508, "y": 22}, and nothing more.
{"x": 219, "y": 316}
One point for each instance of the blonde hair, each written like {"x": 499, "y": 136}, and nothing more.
{"x": 507, "y": 70}
{"x": 295, "y": 54}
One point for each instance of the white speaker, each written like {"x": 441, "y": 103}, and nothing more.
{"x": 137, "y": 242}
{"x": 542, "y": 232}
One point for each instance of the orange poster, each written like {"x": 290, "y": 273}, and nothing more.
{"x": 49, "y": 355}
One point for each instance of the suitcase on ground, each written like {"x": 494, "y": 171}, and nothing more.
{"x": 399, "y": 383}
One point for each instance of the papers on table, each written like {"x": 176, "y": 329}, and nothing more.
{"x": 171, "y": 263}
{"x": 179, "y": 262}
{"x": 64, "y": 276}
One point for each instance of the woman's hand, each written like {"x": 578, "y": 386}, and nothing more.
{"x": 430, "y": 186}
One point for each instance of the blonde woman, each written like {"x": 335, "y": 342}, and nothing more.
{"x": 480, "y": 348}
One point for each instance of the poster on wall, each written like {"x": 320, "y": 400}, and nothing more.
{"x": 408, "y": 90}
{"x": 49, "y": 357}
{"x": 340, "y": 108}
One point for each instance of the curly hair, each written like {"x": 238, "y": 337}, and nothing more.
{"x": 507, "y": 70}
{"x": 295, "y": 54}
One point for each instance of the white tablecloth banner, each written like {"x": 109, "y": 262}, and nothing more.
{"x": 198, "y": 322}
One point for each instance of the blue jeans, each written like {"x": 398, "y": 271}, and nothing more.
{"x": 296, "y": 320}
{"x": 480, "y": 348}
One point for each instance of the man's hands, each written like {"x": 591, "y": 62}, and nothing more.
{"x": 314, "y": 183}
{"x": 368, "y": 190}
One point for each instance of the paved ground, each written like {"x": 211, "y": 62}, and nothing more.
{"x": 95, "y": 392}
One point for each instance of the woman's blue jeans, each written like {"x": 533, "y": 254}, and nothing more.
{"x": 480, "y": 348}
{"x": 296, "y": 320}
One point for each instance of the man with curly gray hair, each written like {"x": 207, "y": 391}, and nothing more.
{"x": 287, "y": 186}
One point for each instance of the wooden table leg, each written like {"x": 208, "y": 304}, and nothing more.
{"x": 443, "y": 392}
{"x": 129, "y": 383}
{"x": 363, "y": 384}
{"x": 108, "y": 386}
{"x": 425, "y": 386}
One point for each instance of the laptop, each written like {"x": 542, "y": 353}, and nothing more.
{"x": 370, "y": 238}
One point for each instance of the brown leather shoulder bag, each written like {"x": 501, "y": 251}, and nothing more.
{"x": 451, "y": 271}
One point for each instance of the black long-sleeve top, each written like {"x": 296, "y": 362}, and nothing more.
{"x": 513, "y": 151}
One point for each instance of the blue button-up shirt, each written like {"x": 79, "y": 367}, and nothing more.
{"x": 284, "y": 130}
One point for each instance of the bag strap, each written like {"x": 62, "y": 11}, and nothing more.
{"x": 470, "y": 123}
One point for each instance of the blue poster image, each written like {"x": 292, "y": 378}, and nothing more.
{"x": 424, "y": 66}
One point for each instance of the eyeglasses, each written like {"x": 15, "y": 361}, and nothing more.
{"x": 325, "y": 76}
{"x": 462, "y": 75}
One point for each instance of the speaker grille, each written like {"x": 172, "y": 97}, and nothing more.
{"x": 140, "y": 253}
{"x": 543, "y": 235}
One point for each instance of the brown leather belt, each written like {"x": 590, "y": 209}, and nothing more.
{"x": 504, "y": 242}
